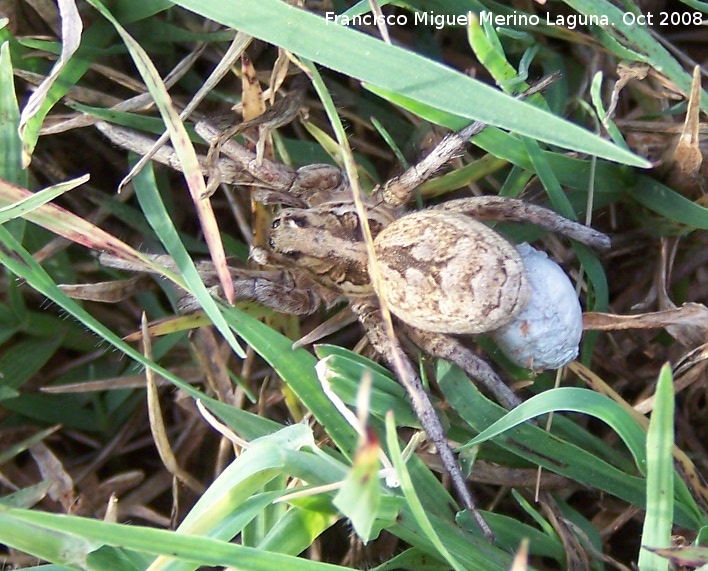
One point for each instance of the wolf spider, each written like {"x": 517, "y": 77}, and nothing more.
{"x": 443, "y": 273}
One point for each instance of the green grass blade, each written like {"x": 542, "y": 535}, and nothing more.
{"x": 668, "y": 203}
{"x": 159, "y": 218}
{"x": 656, "y": 532}
{"x": 551, "y": 452}
{"x": 68, "y": 539}
{"x": 192, "y": 172}
{"x": 33, "y": 111}
{"x": 11, "y": 156}
{"x": 576, "y": 400}
{"x": 353, "y": 53}
{"x": 30, "y": 203}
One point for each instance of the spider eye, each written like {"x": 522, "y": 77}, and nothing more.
{"x": 275, "y": 224}
{"x": 299, "y": 220}
{"x": 271, "y": 243}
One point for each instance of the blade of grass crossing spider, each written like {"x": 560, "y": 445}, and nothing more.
{"x": 158, "y": 217}
{"x": 331, "y": 110}
{"x": 304, "y": 34}
{"x": 11, "y": 157}
{"x": 190, "y": 164}
{"x": 409, "y": 492}
{"x": 656, "y": 531}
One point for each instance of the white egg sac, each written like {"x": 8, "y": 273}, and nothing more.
{"x": 546, "y": 333}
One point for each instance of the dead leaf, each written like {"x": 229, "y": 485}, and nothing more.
{"x": 107, "y": 292}
{"x": 61, "y": 485}
{"x": 684, "y": 160}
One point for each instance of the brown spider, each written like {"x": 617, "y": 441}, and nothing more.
{"x": 443, "y": 272}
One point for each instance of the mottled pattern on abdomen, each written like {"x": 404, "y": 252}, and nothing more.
{"x": 448, "y": 273}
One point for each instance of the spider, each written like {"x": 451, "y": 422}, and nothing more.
{"x": 443, "y": 273}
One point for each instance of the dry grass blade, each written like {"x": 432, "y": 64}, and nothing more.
{"x": 157, "y": 424}
{"x": 688, "y": 323}
{"x": 71, "y": 28}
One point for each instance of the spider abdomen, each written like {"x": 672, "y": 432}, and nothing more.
{"x": 445, "y": 272}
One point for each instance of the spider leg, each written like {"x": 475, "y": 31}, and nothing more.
{"x": 398, "y": 190}
{"x": 452, "y": 349}
{"x": 280, "y": 290}
{"x": 284, "y": 298}
{"x": 370, "y": 318}
{"x": 232, "y": 172}
{"x": 513, "y": 210}
{"x": 268, "y": 173}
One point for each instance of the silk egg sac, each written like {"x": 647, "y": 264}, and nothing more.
{"x": 546, "y": 333}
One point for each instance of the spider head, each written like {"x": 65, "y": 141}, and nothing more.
{"x": 325, "y": 243}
